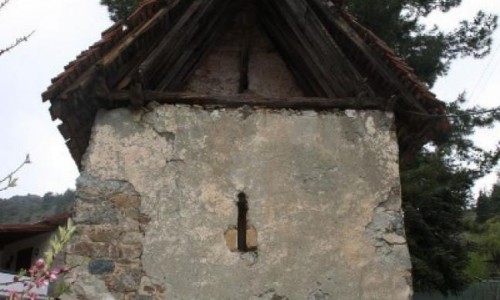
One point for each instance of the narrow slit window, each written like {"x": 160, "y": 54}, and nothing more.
{"x": 242, "y": 222}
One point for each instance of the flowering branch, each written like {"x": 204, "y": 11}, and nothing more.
{"x": 41, "y": 273}
{"x": 11, "y": 181}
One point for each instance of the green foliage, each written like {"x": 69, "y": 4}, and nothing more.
{"x": 436, "y": 191}
{"x": 120, "y": 9}
{"x": 428, "y": 51}
{"x": 58, "y": 242}
{"x": 483, "y": 209}
{"x": 33, "y": 208}
{"x": 434, "y": 198}
{"x": 488, "y": 206}
{"x": 485, "y": 250}
{"x": 478, "y": 266}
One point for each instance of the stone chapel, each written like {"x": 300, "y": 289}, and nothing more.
{"x": 240, "y": 149}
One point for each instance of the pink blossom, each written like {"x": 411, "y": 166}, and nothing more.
{"x": 12, "y": 294}
{"x": 40, "y": 282}
{"x": 33, "y": 295}
{"x": 32, "y": 270}
{"x": 40, "y": 264}
{"x": 52, "y": 275}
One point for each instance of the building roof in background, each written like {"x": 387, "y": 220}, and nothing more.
{"x": 13, "y": 232}
{"x": 164, "y": 41}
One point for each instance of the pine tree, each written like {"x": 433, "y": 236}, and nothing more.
{"x": 483, "y": 209}
{"x": 120, "y": 9}
{"x": 428, "y": 51}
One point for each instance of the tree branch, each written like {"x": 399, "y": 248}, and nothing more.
{"x": 3, "y": 3}
{"x": 17, "y": 42}
{"x": 11, "y": 180}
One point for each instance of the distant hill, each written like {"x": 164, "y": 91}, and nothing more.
{"x": 33, "y": 208}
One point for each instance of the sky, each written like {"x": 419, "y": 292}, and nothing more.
{"x": 64, "y": 28}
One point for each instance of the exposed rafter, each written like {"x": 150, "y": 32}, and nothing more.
{"x": 329, "y": 54}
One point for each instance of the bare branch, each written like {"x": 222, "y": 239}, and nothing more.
{"x": 16, "y": 43}
{"x": 3, "y": 3}
{"x": 10, "y": 180}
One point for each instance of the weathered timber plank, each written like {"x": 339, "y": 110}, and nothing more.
{"x": 255, "y": 101}
{"x": 280, "y": 35}
{"x": 131, "y": 37}
{"x": 196, "y": 49}
{"x": 55, "y": 109}
{"x": 145, "y": 45}
{"x": 246, "y": 23}
{"x": 183, "y": 28}
{"x": 293, "y": 41}
{"x": 328, "y": 15}
{"x": 85, "y": 79}
{"x": 339, "y": 66}
{"x": 339, "y": 77}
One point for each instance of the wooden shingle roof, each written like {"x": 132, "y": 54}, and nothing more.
{"x": 333, "y": 58}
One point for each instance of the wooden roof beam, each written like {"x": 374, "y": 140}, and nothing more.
{"x": 297, "y": 21}
{"x": 175, "y": 40}
{"x": 313, "y": 103}
{"x": 329, "y": 15}
{"x": 106, "y": 63}
{"x": 185, "y": 63}
{"x": 305, "y": 77}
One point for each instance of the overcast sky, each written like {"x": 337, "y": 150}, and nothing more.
{"x": 64, "y": 28}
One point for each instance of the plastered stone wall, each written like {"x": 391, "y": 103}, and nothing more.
{"x": 159, "y": 189}
{"x": 268, "y": 74}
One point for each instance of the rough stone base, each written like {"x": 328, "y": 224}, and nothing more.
{"x": 107, "y": 247}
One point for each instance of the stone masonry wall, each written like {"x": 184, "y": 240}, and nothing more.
{"x": 108, "y": 244}
{"x": 159, "y": 190}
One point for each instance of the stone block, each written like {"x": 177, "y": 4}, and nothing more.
{"x": 394, "y": 239}
{"x": 231, "y": 237}
{"x": 101, "y": 266}
{"x": 131, "y": 251}
{"x": 125, "y": 201}
{"x": 143, "y": 297}
{"x": 132, "y": 237}
{"x": 96, "y": 213}
{"x": 125, "y": 280}
{"x": 100, "y": 233}
{"x": 95, "y": 250}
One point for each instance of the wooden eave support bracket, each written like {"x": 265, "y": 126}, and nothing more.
{"x": 234, "y": 101}
{"x": 136, "y": 95}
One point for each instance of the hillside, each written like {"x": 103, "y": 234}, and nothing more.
{"x": 33, "y": 208}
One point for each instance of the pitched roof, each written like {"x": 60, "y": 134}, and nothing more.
{"x": 329, "y": 53}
